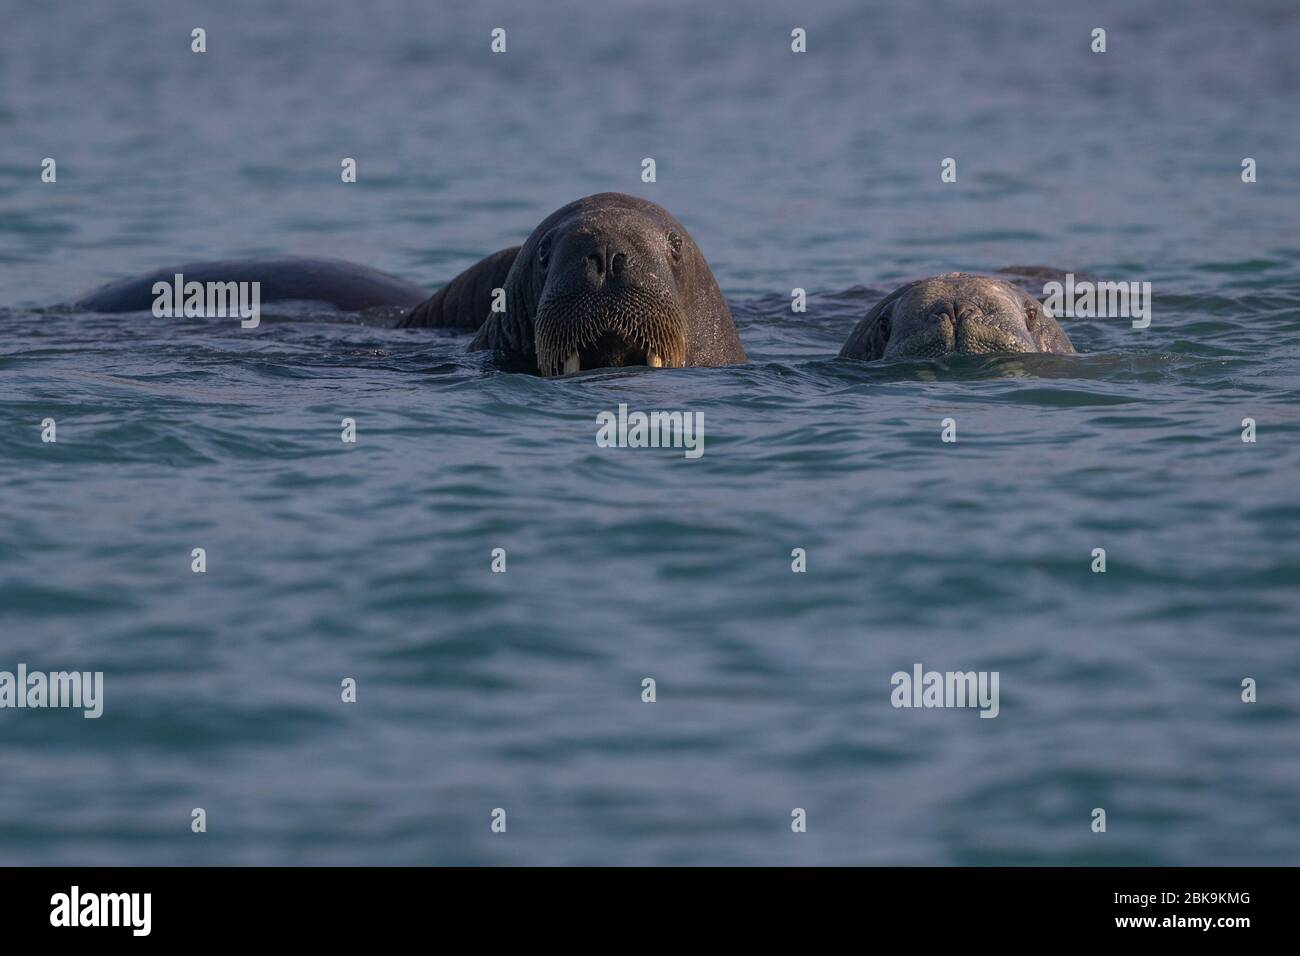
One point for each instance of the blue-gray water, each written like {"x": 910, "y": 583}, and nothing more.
{"x": 523, "y": 690}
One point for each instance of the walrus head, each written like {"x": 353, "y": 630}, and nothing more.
{"x": 955, "y": 314}
{"x": 608, "y": 281}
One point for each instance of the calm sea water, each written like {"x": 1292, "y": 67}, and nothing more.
{"x": 522, "y": 690}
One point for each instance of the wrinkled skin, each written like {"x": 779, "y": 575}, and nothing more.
{"x": 955, "y": 314}
{"x": 608, "y": 281}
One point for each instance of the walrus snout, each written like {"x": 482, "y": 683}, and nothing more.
{"x": 614, "y": 326}
{"x": 610, "y": 299}
{"x": 957, "y": 328}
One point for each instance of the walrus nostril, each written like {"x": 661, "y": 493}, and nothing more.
{"x": 597, "y": 262}
{"x": 617, "y": 264}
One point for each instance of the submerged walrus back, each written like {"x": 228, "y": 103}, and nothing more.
{"x": 345, "y": 285}
{"x": 465, "y": 301}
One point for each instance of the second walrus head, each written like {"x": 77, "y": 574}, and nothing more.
{"x": 955, "y": 314}
{"x": 609, "y": 280}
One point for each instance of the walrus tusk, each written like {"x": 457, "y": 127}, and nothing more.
{"x": 653, "y": 360}
{"x": 573, "y": 363}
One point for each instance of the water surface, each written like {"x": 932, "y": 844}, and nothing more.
{"x": 523, "y": 690}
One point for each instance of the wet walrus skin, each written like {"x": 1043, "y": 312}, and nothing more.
{"x": 342, "y": 284}
{"x": 609, "y": 280}
{"x": 955, "y": 314}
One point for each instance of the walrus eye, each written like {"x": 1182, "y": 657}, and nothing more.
{"x": 675, "y": 246}
{"x": 544, "y": 252}
{"x": 883, "y": 326}
{"x": 1031, "y": 318}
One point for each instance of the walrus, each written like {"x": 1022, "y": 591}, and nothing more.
{"x": 955, "y": 314}
{"x": 607, "y": 281}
